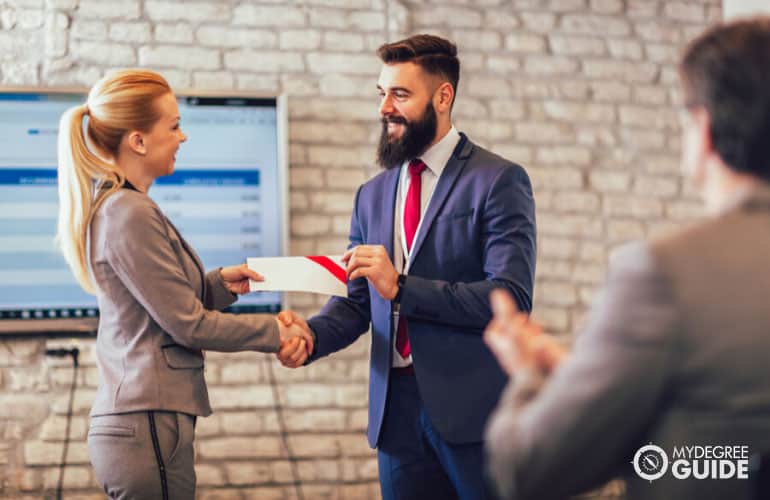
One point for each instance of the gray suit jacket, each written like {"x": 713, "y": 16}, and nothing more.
{"x": 675, "y": 353}
{"x": 158, "y": 309}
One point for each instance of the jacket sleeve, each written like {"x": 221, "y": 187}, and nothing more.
{"x": 509, "y": 246}
{"x": 141, "y": 253}
{"x": 216, "y": 295}
{"x": 343, "y": 319}
{"x": 591, "y": 415}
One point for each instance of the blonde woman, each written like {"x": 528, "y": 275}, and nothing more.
{"x": 158, "y": 308}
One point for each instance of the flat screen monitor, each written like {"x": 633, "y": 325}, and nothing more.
{"x": 227, "y": 196}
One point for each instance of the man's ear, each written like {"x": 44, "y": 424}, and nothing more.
{"x": 703, "y": 120}
{"x": 701, "y": 146}
{"x": 443, "y": 97}
{"x": 135, "y": 142}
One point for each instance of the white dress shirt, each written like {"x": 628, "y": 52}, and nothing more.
{"x": 435, "y": 158}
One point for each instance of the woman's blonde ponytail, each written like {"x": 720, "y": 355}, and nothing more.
{"x": 79, "y": 172}
{"x": 119, "y": 102}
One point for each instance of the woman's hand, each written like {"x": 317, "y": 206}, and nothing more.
{"x": 236, "y": 278}
{"x": 296, "y": 339}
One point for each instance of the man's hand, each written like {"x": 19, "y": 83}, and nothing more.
{"x": 293, "y": 353}
{"x": 295, "y": 350}
{"x": 236, "y": 278}
{"x": 290, "y": 317}
{"x": 373, "y": 263}
{"x": 517, "y": 342}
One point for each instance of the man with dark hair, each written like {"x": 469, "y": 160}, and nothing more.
{"x": 430, "y": 237}
{"x": 674, "y": 355}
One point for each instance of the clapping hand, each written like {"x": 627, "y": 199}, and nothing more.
{"x": 517, "y": 342}
{"x": 296, "y": 349}
{"x": 236, "y": 278}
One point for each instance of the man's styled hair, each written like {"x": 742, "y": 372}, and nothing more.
{"x": 726, "y": 70}
{"x": 435, "y": 55}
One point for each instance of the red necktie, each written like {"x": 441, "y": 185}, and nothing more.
{"x": 411, "y": 221}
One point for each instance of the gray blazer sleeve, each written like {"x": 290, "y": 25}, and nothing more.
{"x": 216, "y": 295}
{"x": 593, "y": 410}
{"x": 140, "y": 250}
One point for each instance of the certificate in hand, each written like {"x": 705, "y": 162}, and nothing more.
{"x": 313, "y": 273}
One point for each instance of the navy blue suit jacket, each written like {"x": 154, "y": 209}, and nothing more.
{"x": 478, "y": 234}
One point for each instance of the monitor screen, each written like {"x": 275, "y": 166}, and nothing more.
{"x": 227, "y": 197}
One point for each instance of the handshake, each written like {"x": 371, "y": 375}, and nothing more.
{"x": 297, "y": 341}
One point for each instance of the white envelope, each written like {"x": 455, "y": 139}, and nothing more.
{"x": 313, "y": 273}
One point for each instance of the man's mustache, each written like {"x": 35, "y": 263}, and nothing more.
{"x": 394, "y": 119}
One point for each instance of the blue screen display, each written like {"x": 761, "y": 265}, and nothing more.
{"x": 226, "y": 197}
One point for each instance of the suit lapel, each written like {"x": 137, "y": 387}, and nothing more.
{"x": 193, "y": 255}
{"x": 444, "y": 186}
{"x": 388, "y": 210}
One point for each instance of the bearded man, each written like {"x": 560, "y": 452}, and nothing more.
{"x": 445, "y": 223}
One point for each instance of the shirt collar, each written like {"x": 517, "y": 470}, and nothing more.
{"x": 128, "y": 185}
{"x": 437, "y": 156}
{"x": 755, "y": 195}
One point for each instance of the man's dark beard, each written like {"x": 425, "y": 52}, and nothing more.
{"x": 413, "y": 142}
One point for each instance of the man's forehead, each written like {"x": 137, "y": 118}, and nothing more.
{"x": 405, "y": 74}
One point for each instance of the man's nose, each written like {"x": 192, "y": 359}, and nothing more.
{"x": 386, "y": 106}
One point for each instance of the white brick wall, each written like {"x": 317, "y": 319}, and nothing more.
{"x": 583, "y": 93}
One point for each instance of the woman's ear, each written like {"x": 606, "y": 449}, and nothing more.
{"x": 135, "y": 142}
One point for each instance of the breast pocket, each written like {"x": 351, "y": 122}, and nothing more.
{"x": 456, "y": 215}
{"x": 181, "y": 358}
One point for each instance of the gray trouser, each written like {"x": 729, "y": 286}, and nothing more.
{"x": 144, "y": 455}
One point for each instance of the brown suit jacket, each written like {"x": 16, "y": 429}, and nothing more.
{"x": 675, "y": 353}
